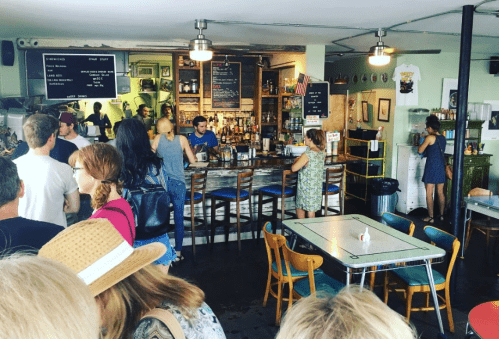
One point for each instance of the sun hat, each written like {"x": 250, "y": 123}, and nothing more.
{"x": 98, "y": 254}
{"x": 67, "y": 117}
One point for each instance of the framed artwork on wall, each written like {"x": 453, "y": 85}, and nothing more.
{"x": 490, "y": 130}
{"x": 165, "y": 71}
{"x": 384, "y": 110}
{"x": 145, "y": 71}
{"x": 365, "y": 111}
{"x": 449, "y": 94}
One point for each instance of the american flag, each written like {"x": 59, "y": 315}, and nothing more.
{"x": 301, "y": 86}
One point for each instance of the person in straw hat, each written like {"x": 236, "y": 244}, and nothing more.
{"x": 37, "y": 295}
{"x": 128, "y": 289}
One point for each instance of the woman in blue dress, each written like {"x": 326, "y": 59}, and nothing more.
{"x": 434, "y": 171}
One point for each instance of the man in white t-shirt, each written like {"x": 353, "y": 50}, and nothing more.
{"x": 66, "y": 130}
{"x": 50, "y": 189}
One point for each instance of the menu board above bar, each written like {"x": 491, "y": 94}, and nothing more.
{"x": 225, "y": 85}
{"x": 79, "y": 76}
{"x": 316, "y": 101}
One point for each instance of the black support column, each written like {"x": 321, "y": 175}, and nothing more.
{"x": 462, "y": 108}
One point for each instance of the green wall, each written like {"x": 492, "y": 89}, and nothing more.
{"x": 434, "y": 68}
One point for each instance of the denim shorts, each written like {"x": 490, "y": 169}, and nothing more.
{"x": 170, "y": 254}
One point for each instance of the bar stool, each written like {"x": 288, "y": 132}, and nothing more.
{"x": 286, "y": 190}
{"x": 193, "y": 197}
{"x": 227, "y": 195}
{"x": 334, "y": 186}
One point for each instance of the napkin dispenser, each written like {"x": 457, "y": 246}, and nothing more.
{"x": 93, "y": 131}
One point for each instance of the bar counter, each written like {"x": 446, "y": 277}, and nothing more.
{"x": 267, "y": 171}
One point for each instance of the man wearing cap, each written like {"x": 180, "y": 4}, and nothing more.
{"x": 18, "y": 233}
{"x": 50, "y": 189}
{"x": 66, "y": 130}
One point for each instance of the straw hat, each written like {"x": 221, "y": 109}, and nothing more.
{"x": 98, "y": 254}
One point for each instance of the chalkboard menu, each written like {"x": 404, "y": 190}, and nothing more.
{"x": 316, "y": 101}
{"x": 79, "y": 76}
{"x": 225, "y": 85}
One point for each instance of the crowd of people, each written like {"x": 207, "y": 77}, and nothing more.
{"x": 113, "y": 285}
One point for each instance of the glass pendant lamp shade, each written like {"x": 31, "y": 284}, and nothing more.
{"x": 377, "y": 55}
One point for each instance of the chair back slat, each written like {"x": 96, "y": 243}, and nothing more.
{"x": 334, "y": 176}
{"x": 245, "y": 182}
{"x": 198, "y": 182}
{"x": 289, "y": 178}
{"x": 274, "y": 244}
{"x": 302, "y": 262}
{"x": 400, "y": 224}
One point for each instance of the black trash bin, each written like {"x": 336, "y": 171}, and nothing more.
{"x": 384, "y": 196}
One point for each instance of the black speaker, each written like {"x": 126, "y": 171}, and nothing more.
{"x": 8, "y": 53}
{"x": 494, "y": 65}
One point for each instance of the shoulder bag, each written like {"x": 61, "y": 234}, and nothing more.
{"x": 448, "y": 168}
{"x": 151, "y": 208}
{"x": 167, "y": 318}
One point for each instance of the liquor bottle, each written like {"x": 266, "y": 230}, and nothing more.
{"x": 223, "y": 138}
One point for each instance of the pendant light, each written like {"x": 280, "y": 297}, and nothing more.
{"x": 226, "y": 62}
{"x": 377, "y": 54}
{"x": 340, "y": 80}
{"x": 200, "y": 48}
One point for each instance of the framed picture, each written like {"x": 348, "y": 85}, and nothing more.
{"x": 365, "y": 111}
{"x": 165, "y": 71}
{"x": 384, "y": 110}
{"x": 145, "y": 72}
{"x": 166, "y": 85}
{"x": 490, "y": 128}
{"x": 449, "y": 94}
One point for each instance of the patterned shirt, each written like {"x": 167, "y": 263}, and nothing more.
{"x": 206, "y": 326}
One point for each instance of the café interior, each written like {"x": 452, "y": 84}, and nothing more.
{"x": 273, "y": 43}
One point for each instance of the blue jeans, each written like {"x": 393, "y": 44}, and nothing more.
{"x": 170, "y": 254}
{"x": 176, "y": 192}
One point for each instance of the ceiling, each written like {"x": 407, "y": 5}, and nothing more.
{"x": 255, "y": 25}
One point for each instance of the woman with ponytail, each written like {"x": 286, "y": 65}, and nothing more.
{"x": 97, "y": 170}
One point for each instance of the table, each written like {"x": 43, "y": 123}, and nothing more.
{"x": 487, "y": 205}
{"x": 337, "y": 236}
{"x": 482, "y": 320}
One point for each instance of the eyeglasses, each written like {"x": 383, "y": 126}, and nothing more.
{"x": 76, "y": 169}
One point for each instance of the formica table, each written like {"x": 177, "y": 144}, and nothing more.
{"x": 483, "y": 321}
{"x": 487, "y": 205}
{"x": 337, "y": 237}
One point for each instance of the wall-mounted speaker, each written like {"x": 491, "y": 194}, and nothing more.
{"x": 494, "y": 65}
{"x": 8, "y": 53}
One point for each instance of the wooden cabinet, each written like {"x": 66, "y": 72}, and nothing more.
{"x": 369, "y": 164}
{"x": 189, "y": 105}
{"x": 410, "y": 169}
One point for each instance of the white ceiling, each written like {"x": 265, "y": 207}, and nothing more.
{"x": 162, "y": 22}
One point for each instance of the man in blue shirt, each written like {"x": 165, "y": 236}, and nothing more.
{"x": 201, "y": 135}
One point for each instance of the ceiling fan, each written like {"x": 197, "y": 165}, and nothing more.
{"x": 379, "y": 54}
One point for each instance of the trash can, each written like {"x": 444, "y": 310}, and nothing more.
{"x": 384, "y": 196}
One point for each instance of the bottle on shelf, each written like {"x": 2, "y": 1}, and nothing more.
{"x": 223, "y": 138}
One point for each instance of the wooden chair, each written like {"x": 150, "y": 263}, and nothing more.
{"x": 485, "y": 225}
{"x": 334, "y": 186}
{"x": 415, "y": 279}
{"x": 400, "y": 224}
{"x": 277, "y": 270}
{"x": 227, "y": 195}
{"x": 286, "y": 190}
{"x": 313, "y": 282}
{"x": 193, "y": 197}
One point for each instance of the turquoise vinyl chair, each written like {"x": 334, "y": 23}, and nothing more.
{"x": 400, "y": 224}
{"x": 277, "y": 271}
{"x": 415, "y": 279}
{"x": 313, "y": 282}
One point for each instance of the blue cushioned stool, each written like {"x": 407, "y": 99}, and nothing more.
{"x": 193, "y": 197}
{"x": 274, "y": 192}
{"x": 227, "y": 195}
{"x": 334, "y": 186}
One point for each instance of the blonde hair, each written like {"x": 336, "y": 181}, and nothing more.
{"x": 351, "y": 314}
{"x": 41, "y": 298}
{"x": 123, "y": 305}
{"x": 165, "y": 126}
{"x": 102, "y": 162}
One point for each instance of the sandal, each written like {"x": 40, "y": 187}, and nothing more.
{"x": 428, "y": 220}
{"x": 179, "y": 258}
